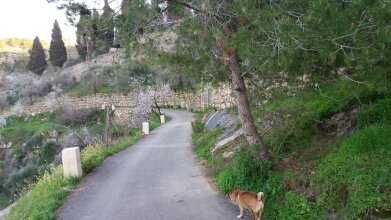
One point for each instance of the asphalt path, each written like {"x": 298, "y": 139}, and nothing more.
{"x": 156, "y": 178}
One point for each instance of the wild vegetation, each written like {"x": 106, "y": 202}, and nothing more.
{"x": 36, "y": 143}
{"x": 312, "y": 84}
{"x": 327, "y": 162}
{"x": 45, "y": 195}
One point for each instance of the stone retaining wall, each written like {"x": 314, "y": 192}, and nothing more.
{"x": 219, "y": 98}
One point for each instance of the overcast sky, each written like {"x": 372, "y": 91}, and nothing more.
{"x": 30, "y": 18}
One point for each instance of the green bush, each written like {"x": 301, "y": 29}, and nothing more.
{"x": 48, "y": 151}
{"x": 379, "y": 112}
{"x": 297, "y": 207}
{"x": 356, "y": 177}
{"x": 247, "y": 172}
{"x": 16, "y": 179}
{"x": 34, "y": 141}
{"x": 226, "y": 180}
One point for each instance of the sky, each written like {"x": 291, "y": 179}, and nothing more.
{"x": 30, "y": 18}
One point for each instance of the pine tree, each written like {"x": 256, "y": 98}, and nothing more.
{"x": 37, "y": 63}
{"x": 57, "y": 51}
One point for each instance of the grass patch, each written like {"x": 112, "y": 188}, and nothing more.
{"x": 356, "y": 177}
{"x": 295, "y": 118}
{"x": 81, "y": 89}
{"x": 44, "y": 197}
{"x": 377, "y": 113}
{"x": 19, "y": 128}
{"x": 296, "y": 207}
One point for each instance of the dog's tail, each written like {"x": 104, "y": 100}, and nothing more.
{"x": 261, "y": 197}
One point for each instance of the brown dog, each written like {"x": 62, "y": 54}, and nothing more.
{"x": 249, "y": 200}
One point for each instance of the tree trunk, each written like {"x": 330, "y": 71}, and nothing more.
{"x": 245, "y": 116}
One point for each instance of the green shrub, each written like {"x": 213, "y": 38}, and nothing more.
{"x": 247, "y": 172}
{"x": 48, "y": 151}
{"x": 379, "y": 112}
{"x": 16, "y": 179}
{"x": 297, "y": 207}
{"x": 356, "y": 177}
{"x": 226, "y": 180}
{"x": 34, "y": 141}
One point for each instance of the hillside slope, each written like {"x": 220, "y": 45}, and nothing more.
{"x": 330, "y": 145}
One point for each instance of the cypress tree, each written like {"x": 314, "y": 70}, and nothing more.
{"x": 37, "y": 63}
{"x": 57, "y": 51}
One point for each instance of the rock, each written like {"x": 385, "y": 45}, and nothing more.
{"x": 229, "y": 137}
{"x": 219, "y": 119}
{"x": 53, "y": 134}
{"x": 227, "y": 155}
{"x": 3, "y": 122}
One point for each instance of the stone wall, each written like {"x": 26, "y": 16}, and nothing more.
{"x": 219, "y": 98}
{"x": 94, "y": 101}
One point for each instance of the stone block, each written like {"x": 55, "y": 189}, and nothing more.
{"x": 162, "y": 119}
{"x": 146, "y": 127}
{"x": 71, "y": 162}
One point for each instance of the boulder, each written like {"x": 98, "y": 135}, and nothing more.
{"x": 222, "y": 119}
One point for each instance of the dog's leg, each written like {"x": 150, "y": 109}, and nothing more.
{"x": 260, "y": 215}
{"x": 255, "y": 215}
{"x": 241, "y": 211}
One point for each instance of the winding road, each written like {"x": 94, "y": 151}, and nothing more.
{"x": 156, "y": 178}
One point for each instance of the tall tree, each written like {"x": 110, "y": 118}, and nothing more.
{"x": 57, "y": 51}
{"x": 37, "y": 63}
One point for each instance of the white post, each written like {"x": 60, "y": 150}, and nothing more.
{"x": 71, "y": 162}
{"x": 146, "y": 127}
{"x": 162, "y": 119}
